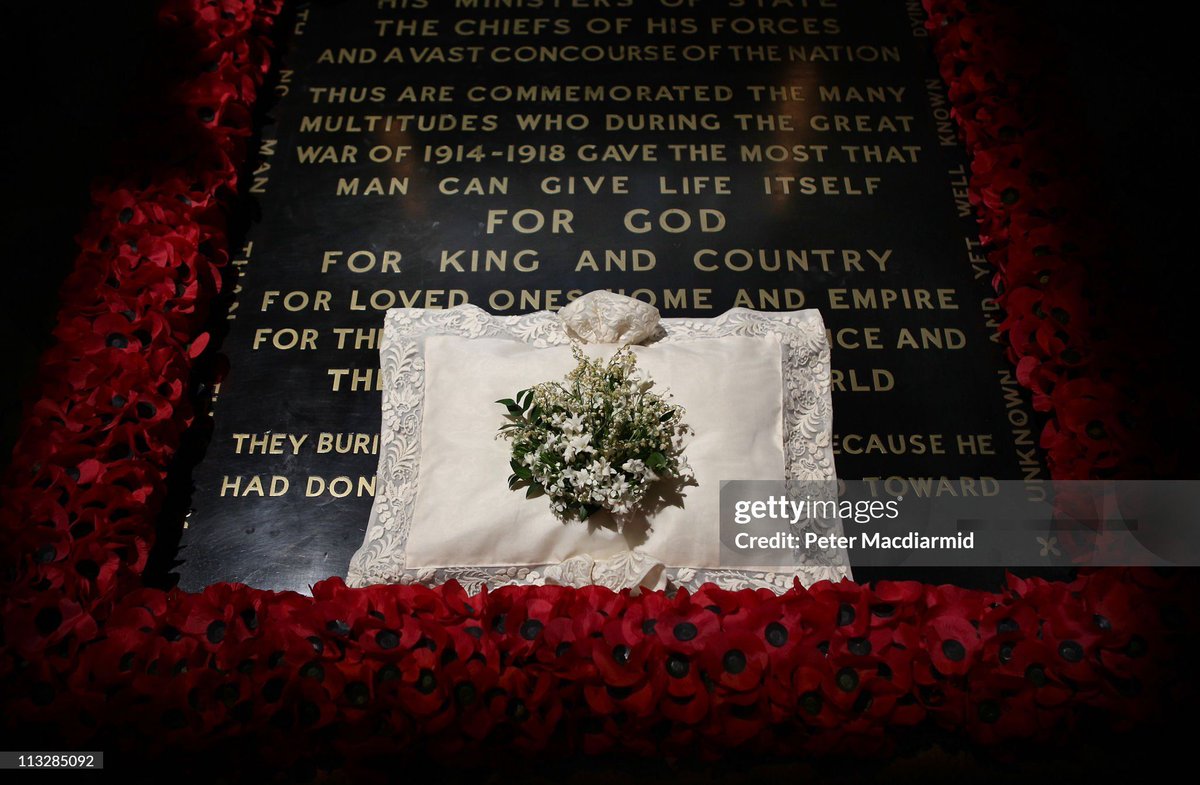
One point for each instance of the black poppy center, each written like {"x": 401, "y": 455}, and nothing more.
{"x": 1070, "y": 651}
{"x": 530, "y": 629}
{"x": 678, "y": 666}
{"x": 464, "y": 694}
{"x": 1036, "y": 675}
{"x": 357, "y": 693}
{"x": 685, "y": 631}
{"x": 954, "y": 650}
{"x": 776, "y": 634}
{"x": 215, "y": 632}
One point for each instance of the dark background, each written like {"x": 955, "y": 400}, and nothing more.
{"x": 74, "y": 77}
{"x": 72, "y": 70}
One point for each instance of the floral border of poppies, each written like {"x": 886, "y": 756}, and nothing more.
{"x": 352, "y": 673}
{"x": 1043, "y": 232}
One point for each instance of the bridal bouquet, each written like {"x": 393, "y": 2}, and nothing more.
{"x": 595, "y": 440}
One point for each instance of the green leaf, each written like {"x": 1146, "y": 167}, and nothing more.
{"x": 656, "y": 460}
{"x": 521, "y": 471}
{"x": 509, "y": 402}
{"x": 534, "y": 491}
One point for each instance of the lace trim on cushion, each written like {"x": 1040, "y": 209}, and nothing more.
{"x": 807, "y": 430}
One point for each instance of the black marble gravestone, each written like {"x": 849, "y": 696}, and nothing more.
{"x": 698, "y": 155}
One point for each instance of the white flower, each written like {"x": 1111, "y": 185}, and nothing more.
{"x": 601, "y": 467}
{"x": 618, "y": 488}
{"x": 573, "y": 424}
{"x": 576, "y": 445}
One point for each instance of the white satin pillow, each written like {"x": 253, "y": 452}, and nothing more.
{"x": 756, "y": 389}
{"x": 465, "y": 515}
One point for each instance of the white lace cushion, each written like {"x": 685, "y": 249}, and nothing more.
{"x": 465, "y": 515}
{"x": 606, "y": 317}
{"x": 807, "y": 440}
